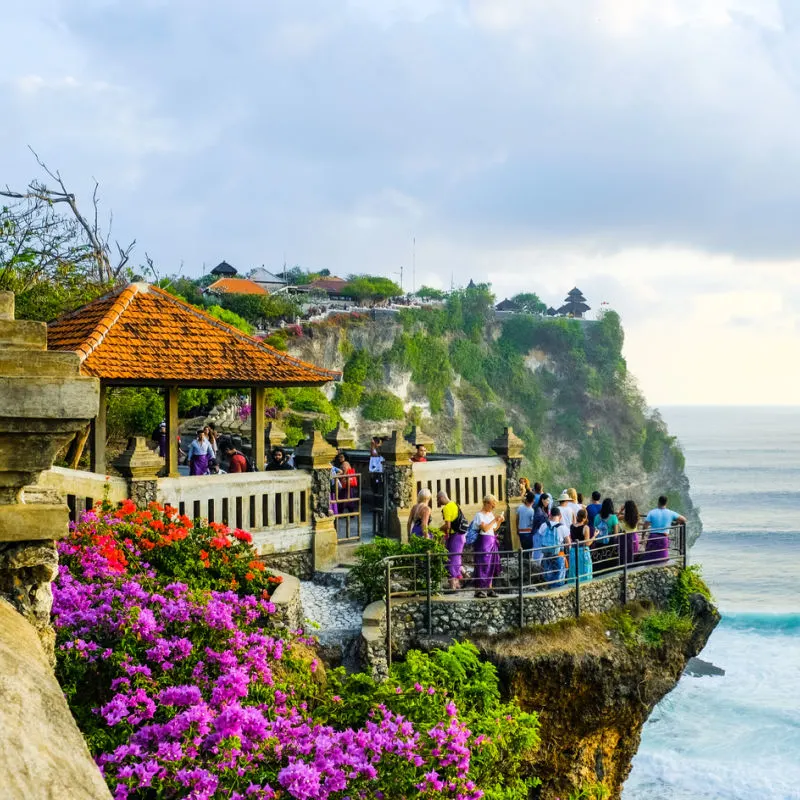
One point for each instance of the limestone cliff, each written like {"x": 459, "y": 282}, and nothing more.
{"x": 596, "y": 434}
{"x": 593, "y": 692}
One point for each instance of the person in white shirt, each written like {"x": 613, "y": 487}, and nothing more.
{"x": 487, "y": 553}
{"x": 567, "y": 511}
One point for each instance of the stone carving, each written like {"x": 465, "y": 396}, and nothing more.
{"x": 45, "y": 402}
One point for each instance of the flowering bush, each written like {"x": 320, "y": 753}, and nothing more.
{"x": 207, "y": 555}
{"x": 186, "y": 692}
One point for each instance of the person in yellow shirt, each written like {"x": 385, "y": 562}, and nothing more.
{"x": 455, "y": 531}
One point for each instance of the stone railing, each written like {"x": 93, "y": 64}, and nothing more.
{"x": 81, "y": 490}
{"x": 458, "y": 617}
{"x": 273, "y": 506}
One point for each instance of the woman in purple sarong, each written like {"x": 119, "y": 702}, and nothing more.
{"x": 487, "y": 553}
{"x": 200, "y": 455}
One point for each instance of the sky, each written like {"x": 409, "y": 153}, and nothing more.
{"x": 647, "y": 152}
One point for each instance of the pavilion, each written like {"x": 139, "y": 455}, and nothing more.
{"x": 140, "y": 335}
{"x": 574, "y": 305}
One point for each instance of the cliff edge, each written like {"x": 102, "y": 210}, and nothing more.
{"x": 593, "y": 683}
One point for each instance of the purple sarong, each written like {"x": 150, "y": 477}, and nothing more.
{"x": 656, "y": 550}
{"x": 455, "y": 546}
{"x": 628, "y": 547}
{"x": 199, "y": 464}
{"x": 487, "y": 560}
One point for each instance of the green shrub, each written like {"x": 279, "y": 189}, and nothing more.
{"x": 421, "y": 688}
{"x": 348, "y": 395}
{"x": 659, "y": 626}
{"x": 367, "y": 580}
{"x": 381, "y": 405}
{"x": 133, "y": 411}
{"x": 690, "y": 581}
{"x": 224, "y": 315}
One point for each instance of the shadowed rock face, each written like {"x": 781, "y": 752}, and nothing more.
{"x": 42, "y": 752}
{"x": 593, "y": 694}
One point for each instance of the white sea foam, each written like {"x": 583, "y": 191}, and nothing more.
{"x": 737, "y": 737}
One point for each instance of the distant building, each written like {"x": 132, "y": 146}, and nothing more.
{"x": 236, "y": 286}
{"x": 551, "y": 312}
{"x": 333, "y": 286}
{"x": 575, "y": 305}
{"x": 267, "y": 279}
{"x": 224, "y": 270}
{"x": 471, "y": 284}
{"x": 507, "y": 305}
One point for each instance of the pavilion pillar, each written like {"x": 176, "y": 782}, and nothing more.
{"x": 258, "y": 407}
{"x": 509, "y": 447}
{"x": 171, "y": 408}
{"x": 98, "y": 434}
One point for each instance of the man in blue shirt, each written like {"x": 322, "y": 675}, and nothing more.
{"x": 525, "y": 522}
{"x": 593, "y": 509}
{"x": 659, "y": 521}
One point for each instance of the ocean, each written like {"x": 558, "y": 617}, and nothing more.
{"x": 737, "y": 736}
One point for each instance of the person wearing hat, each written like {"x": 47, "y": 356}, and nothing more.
{"x": 554, "y": 535}
{"x": 160, "y": 436}
{"x": 567, "y": 512}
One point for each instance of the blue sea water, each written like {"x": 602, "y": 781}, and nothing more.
{"x": 737, "y": 737}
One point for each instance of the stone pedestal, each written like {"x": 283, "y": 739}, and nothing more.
{"x": 399, "y": 479}
{"x": 140, "y": 465}
{"x": 315, "y": 454}
{"x": 509, "y": 447}
{"x": 44, "y": 403}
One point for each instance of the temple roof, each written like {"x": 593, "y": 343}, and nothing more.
{"x": 142, "y": 335}
{"x": 224, "y": 268}
{"x": 576, "y": 294}
{"x": 236, "y": 286}
{"x": 261, "y": 275}
{"x": 332, "y": 284}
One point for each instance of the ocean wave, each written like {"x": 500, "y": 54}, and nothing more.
{"x": 762, "y": 622}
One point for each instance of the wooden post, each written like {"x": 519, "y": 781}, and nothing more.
{"x": 258, "y": 406}
{"x": 98, "y": 434}
{"x": 171, "y": 397}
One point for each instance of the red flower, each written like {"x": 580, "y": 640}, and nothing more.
{"x": 243, "y": 536}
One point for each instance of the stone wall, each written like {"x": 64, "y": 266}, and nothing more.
{"x": 288, "y": 606}
{"x": 299, "y": 563}
{"x": 460, "y": 616}
{"x": 42, "y": 752}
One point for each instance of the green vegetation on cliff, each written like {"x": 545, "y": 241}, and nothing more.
{"x": 563, "y": 385}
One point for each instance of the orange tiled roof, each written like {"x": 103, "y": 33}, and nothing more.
{"x": 236, "y": 286}
{"x": 143, "y": 335}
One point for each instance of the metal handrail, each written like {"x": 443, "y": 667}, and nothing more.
{"x": 532, "y": 568}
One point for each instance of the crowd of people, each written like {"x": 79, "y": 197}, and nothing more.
{"x": 563, "y": 539}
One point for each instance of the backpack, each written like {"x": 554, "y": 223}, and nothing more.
{"x": 250, "y": 467}
{"x": 472, "y": 533}
{"x": 551, "y": 541}
{"x": 460, "y": 523}
{"x": 601, "y": 530}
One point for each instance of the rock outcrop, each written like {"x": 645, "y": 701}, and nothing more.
{"x": 593, "y": 693}
{"x": 42, "y": 753}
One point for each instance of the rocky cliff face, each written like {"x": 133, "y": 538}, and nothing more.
{"x": 453, "y": 429}
{"x": 593, "y": 693}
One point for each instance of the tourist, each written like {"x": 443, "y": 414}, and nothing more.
{"x": 454, "y": 527}
{"x": 541, "y": 511}
{"x": 236, "y": 460}
{"x": 580, "y": 534}
{"x": 421, "y": 456}
{"x": 565, "y": 504}
{"x": 554, "y": 535}
{"x": 278, "y": 461}
{"x": 376, "y": 467}
{"x": 524, "y": 486}
{"x": 593, "y": 509}
{"x": 525, "y": 517}
{"x": 347, "y": 484}
{"x": 658, "y": 522}
{"x": 200, "y": 455}
{"x": 420, "y": 515}
{"x": 574, "y": 503}
{"x": 538, "y": 491}
{"x": 606, "y": 528}
{"x": 160, "y": 436}
{"x": 487, "y": 554}
{"x": 629, "y": 528}
{"x": 211, "y": 436}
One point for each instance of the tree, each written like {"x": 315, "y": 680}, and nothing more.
{"x": 40, "y": 237}
{"x": 429, "y": 293}
{"x": 260, "y": 309}
{"x": 530, "y": 302}
{"x": 368, "y": 287}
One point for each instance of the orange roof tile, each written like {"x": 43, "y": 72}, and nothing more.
{"x": 236, "y": 286}
{"x": 142, "y": 335}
